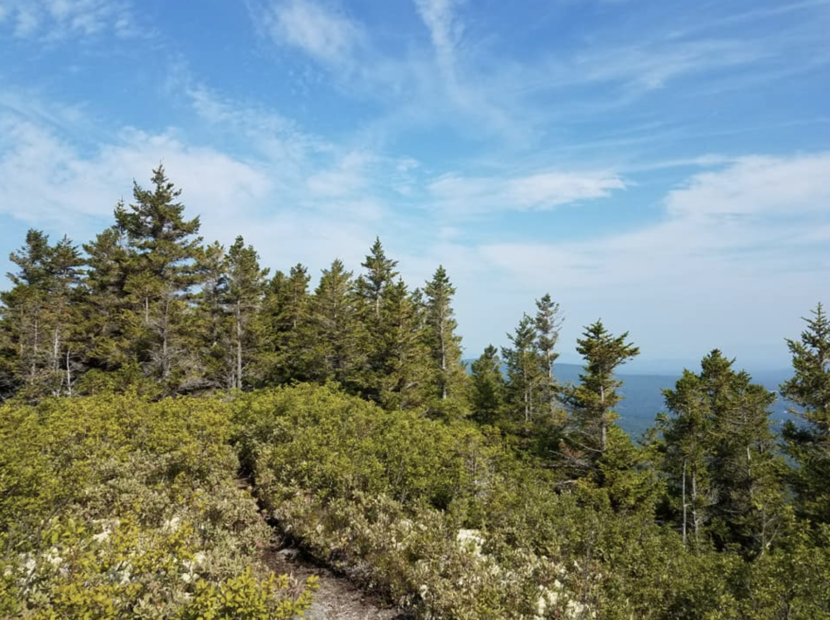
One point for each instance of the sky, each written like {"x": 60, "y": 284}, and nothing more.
{"x": 663, "y": 165}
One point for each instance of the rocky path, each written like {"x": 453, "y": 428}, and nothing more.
{"x": 337, "y": 598}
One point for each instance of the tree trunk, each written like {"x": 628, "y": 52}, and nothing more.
{"x": 695, "y": 516}
{"x": 238, "y": 346}
{"x": 683, "y": 484}
{"x": 68, "y": 372}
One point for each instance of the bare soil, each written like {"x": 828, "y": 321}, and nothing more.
{"x": 337, "y": 598}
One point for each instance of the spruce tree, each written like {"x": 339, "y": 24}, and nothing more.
{"x": 488, "y": 387}
{"x": 525, "y": 373}
{"x": 163, "y": 246}
{"x": 808, "y": 444}
{"x": 548, "y": 322}
{"x": 337, "y": 335}
{"x": 286, "y": 319}
{"x": 449, "y": 382}
{"x": 106, "y": 306}
{"x": 380, "y": 275}
{"x": 594, "y": 399}
{"x": 38, "y": 327}
{"x": 687, "y": 434}
{"x": 721, "y": 459}
{"x": 213, "y": 327}
{"x": 246, "y": 282}
{"x": 399, "y": 370}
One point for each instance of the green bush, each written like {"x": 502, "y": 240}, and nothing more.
{"x": 114, "y": 506}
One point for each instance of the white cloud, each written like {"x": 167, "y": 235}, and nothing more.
{"x": 322, "y": 32}
{"x": 701, "y": 276}
{"x": 445, "y": 31}
{"x": 44, "y": 179}
{"x": 57, "y": 19}
{"x": 757, "y": 187}
{"x": 459, "y": 195}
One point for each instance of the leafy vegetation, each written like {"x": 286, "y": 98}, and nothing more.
{"x": 115, "y": 507}
{"x": 145, "y": 374}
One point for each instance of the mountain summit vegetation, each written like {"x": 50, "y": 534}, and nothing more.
{"x": 149, "y": 379}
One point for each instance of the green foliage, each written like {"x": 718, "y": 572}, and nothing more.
{"x": 809, "y": 390}
{"x": 116, "y": 507}
{"x": 724, "y": 475}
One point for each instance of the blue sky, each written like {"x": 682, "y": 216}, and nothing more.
{"x": 663, "y": 165}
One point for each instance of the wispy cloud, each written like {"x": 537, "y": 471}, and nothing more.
{"x": 57, "y": 19}
{"x": 320, "y": 31}
{"x": 757, "y": 188}
{"x": 460, "y": 195}
{"x": 736, "y": 248}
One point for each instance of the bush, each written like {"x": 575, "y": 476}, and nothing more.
{"x": 114, "y": 506}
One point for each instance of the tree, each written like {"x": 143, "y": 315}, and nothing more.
{"x": 808, "y": 444}
{"x": 687, "y": 435}
{"x": 163, "y": 246}
{"x": 397, "y": 376}
{"x": 488, "y": 386}
{"x": 443, "y": 343}
{"x": 286, "y": 316}
{"x": 594, "y": 399}
{"x": 525, "y": 372}
{"x": 548, "y": 322}
{"x": 106, "y": 306}
{"x": 215, "y": 347}
{"x": 246, "y": 287}
{"x": 337, "y": 335}
{"x": 38, "y": 316}
{"x": 721, "y": 461}
{"x": 380, "y": 275}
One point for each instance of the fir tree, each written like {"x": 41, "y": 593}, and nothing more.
{"x": 287, "y": 323}
{"x": 245, "y": 290}
{"x": 106, "y": 305}
{"x": 548, "y": 322}
{"x": 400, "y": 366}
{"x": 215, "y": 354}
{"x": 525, "y": 372}
{"x": 443, "y": 343}
{"x": 337, "y": 336}
{"x": 809, "y": 444}
{"x": 488, "y": 386}
{"x": 594, "y": 399}
{"x": 161, "y": 273}
{"x": 39, "y": 320}
{"x": 721, "y": 460}
{"x": 380, "y": 275}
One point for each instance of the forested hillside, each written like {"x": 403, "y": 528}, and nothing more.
{"x": 146, "y": 372}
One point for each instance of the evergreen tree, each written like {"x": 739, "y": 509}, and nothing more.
{"x": 106, "y": 305}
{"x": 688, "y": 438}
{"x": 38, "y": 324}
{"x": 214, "y": 329}
{"x": 287, "y": 324}
{"x": 245, "y": 290}
{"x": 380, "y": 275}
{"x": 444, "y": 344}
{"x": 809, "y": 444}
{"x": 399, "y": 368}
{"x": 594, "y": 399}
{"x": 548, "y": 322}
{"x": 488, "y": 387}
{"x": 163, "y": 246}
{"x": 63, "y": 299}
{"x": 337, "y": 336}
{"x": 721, "y": 461}
{"x": 525, "y": 372}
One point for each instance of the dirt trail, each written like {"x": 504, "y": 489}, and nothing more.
{"x": 337, "y": 598}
